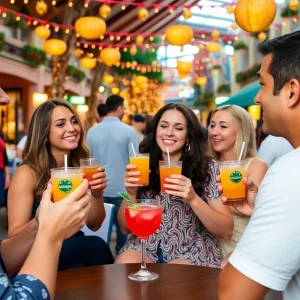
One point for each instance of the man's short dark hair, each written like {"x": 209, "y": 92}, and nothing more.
{"x": 285, "y": 63}
{"x": 139, "y": 118}
{"x": 102, "y": 111}
{"x": 113, "y": 102}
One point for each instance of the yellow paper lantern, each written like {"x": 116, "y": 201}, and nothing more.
{"x": 143, "y": 14}
{"x": 115, "y": 90}
{"x": 184, "y": 66}
{"x": 213, "y": 47}
{"x": 179, "y": 35}
{"x": 41, "y": 7}
{"x": 183, "y": 75}
{"x": 234, "y": 26}
{"x": 255, "y": 16}
{"x": 187, "y": 14}
{"x": 201, "y": 80}
{"x": 104, "y": 11}
{"x": 230, "y": 9}
{"x": 139, "y": 40}
{"x": 141, "y": 79}
{"x": 215, "y": 34}
{"x": 294, "y": 4}
{"x": 88, "y": 62}
{"x": 133, "y": 50}
{"x": 110, "y": 56}
{"x": 254, "y": 112}
{"x": 42, "y": 32}
{"x": 90, "y": 28}
{"x": 262, "y": 36}
{"x": 55, "y": 47}
{"x": 107, "y": 78}
{"x": 77, "y": 52}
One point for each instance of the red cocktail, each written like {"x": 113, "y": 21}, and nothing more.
{"x": 143, "y": 218}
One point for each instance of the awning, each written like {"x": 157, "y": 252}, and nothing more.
{"x": 245, "y": 97}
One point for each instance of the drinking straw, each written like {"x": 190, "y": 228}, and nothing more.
{"x": 66, "y": 162}
{"x": 168, "y": 154}
{"x": 134, "y": 153}
{"x": 242, "y": 150}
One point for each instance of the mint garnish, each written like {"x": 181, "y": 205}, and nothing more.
{"x": 126, "y": 198}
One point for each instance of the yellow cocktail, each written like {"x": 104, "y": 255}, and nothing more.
{"x": 232, "y": 174}
{"x": 65, "y": 181}
{"x": 90, "y": 167}
{"x": 142, "y": 165}
{"x": 167, "y": 169}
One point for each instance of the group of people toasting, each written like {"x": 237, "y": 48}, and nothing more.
{"x": 202, "y": 216}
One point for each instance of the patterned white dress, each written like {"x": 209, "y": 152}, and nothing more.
{"x": 181, "y": 234}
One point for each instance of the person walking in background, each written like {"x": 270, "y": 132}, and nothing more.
{"x": 139, "y": 126}
{"x": 110, "y": 141}
{"x": 273, "y": 147}
{"x": 102, "y": 112}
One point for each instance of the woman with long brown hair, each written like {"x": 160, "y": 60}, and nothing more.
{"x": 55, "y": 130}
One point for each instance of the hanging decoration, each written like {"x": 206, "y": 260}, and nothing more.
{"x": 215, "y": 34}
{"x": 255, "y": 16}
{"x": 294, "y": 4}
{"x": 143, "y": 14}
{"x": 115, "y": 90}
{"x": 42, "y": 32}
{"x": 104, "y": 11}
{"x": 107, "y": 78}
{"x": 201, "y": 80}
{"x": 179, "y": 35}
{"x": 261, "y": 36}
{"x": 110, "y": 56}
{"x": 187, "y": 14}
{"x": 230, "y": 10}
{"x": 78, "y": 52}
{"x": 55, "y": 47}
{"x": 133, "y": 50}
{"x": 234, "y": 26}
{"x": 90, "y": 28}
{"x": 41, "y": 7}
{"x": 139, "y": 40}
{"x": 88, "y": 62}
{"x": 184, "y": 66}
{"x": 213, "y": 47}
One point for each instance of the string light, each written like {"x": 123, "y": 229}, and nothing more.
{"x": 53, "y": 2}
{"x": 71, "y": 4}
{"x": 56, "y": 29}
{"x": 93, "y": 46}
{"x": 18, "y": 18}
{"x": 35, "y": 22}
{"x": 123, "y": 7}
{"x": 67, "y": 31}
{"x": 156, "y": 10}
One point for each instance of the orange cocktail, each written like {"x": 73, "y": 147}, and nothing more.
{"x": 232, "y": 174}
{"x": 166, "y": 169}
{"x": 90, "y": 166}
{"x": 65, "y": 181}
{"x": 141, "y": 161}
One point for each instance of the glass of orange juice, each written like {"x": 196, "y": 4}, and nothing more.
{"x": 232, "y": 174}
{"x": 142, "y": 165}
{"x": 90, "y": 167}
{"x": 65, "y": 181}
{"x": 166, "y": 169}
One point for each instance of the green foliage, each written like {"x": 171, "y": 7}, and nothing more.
{"x": 34, "y": 56}
{"x": 224, "y": 88}
{"x": 239, "y": 45}
{"x": 247, "y": 74}
{"x": 216, "y": 67}
{"x": 2, "y": 40}
{"x": 203, "y": 98}
{"x": 76, "y": 74}
{"x": 10, "y": 21}
{"x": 287, "y": 12}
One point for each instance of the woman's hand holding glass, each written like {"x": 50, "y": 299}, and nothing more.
{"x": 130, "y": 181}
{"x": 99, "y": 180}
{"x": 181, "y": 186}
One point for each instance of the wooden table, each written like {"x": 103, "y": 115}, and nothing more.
{"x": 110, "y": 282}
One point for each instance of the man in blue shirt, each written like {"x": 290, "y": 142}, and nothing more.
{"x": 110, "y": 141}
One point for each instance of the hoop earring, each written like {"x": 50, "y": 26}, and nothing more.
{"x": 187, "y": 147}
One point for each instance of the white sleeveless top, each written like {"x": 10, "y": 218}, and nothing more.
{"x": 240, "y": 224}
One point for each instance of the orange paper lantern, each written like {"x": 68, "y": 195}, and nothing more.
{"x": 143, "y": 14}
{"x": 55, "y": 47}
{"x": 184, "y": 66}
{"x": 110, "y": 56}
{"x": 90, "y": 28}
{"x": 88, "y": 62}
{"x": 42, "y": 32}
{"x": 179, "y": 35}
{"x": 104, "y": 11}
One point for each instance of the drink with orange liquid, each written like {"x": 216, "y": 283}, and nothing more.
{"x": 142, "y": 165}
{"x": 90, "y": 167}
{"x": 65, "y": 181}
{"x": 167, "y": 169}
{"x": 232, "y": 174}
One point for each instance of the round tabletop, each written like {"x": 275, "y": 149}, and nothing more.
{"x": 110, "y": 282}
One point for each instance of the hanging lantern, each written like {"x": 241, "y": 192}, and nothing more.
{"x": 104, "y": 11}
{"x": 213, "y": 47}
{"x": 183, "y": 75}
{"x": 255, "y": 16}
{"x": 139, "y": 40}
{"x": 143, "y": 70}
{"x": 141, "y": 79}
{"x": 41, "y": 7}
{"x": 143, "y": 14}
{"x": 201, "y": 80}
{"x": 77, "y": 52}
{"x": 184, "y": 66}
{"x": 107, "y": 78}
{"x": 42, "y": 32}
{"x": 230, "y": 10}
{"x": 90, "y": 28}
{"x": 262, "y": 36}
{"x": 55, "y": 47}
{"x": 133, "y": 50}
{"x": 88, "y": 62}
{"x": 110, "y": 56}
{"x": 115, "y": 90}
{"x": 254, "y": 112}
{"x": 234, "y": 26}
{"x": 294, "y": 4}
{"x": 215, "y": 34}
{"x": 179, "y": 35}
{"x": 187, "y": 14}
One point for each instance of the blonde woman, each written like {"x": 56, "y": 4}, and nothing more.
{"x": 229, "y": 127}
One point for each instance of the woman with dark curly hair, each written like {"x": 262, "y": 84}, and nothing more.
{"x": 192, "y": 211}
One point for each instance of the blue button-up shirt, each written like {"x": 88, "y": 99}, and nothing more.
{"x": 110, "y": 141}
